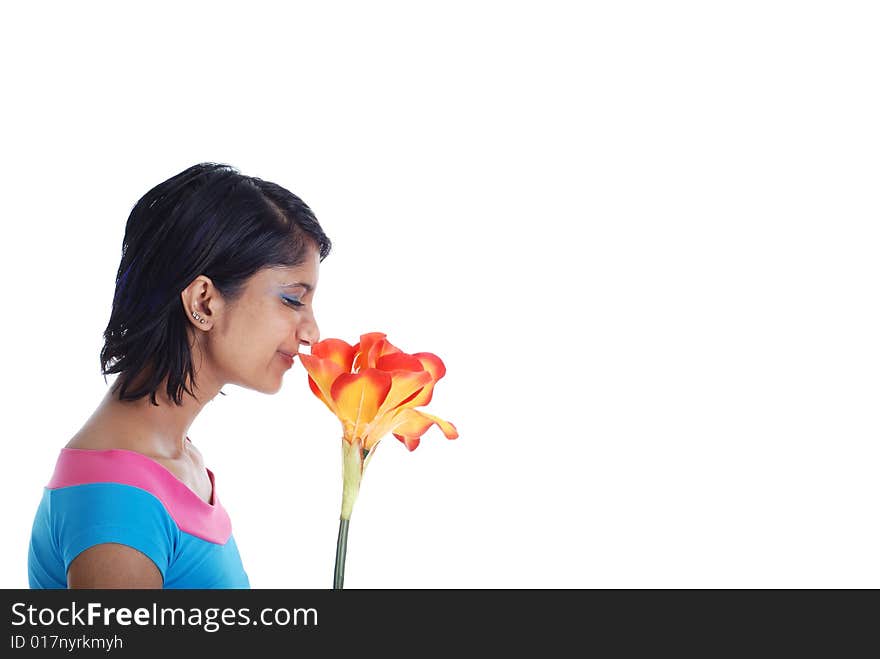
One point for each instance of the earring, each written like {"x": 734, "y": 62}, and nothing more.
{"x": 198, "y": 317}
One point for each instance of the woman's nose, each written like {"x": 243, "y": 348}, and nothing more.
{"x": 309, "y": 334}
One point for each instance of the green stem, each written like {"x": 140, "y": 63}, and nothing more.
{"x": 341, "y": 543}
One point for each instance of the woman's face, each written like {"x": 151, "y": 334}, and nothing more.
{"x": 244, "y": 341}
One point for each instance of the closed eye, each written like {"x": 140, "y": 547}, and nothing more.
{"x": 292, "y": 302}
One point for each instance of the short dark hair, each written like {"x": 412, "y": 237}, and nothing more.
{"x": 209, "y": 219}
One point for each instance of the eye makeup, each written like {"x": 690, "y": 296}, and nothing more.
{"x": 292, "y": 302}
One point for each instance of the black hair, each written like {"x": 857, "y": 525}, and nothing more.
{"x": 207, "y": 220}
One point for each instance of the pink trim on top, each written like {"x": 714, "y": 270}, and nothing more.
{"x": 77, "y": 466}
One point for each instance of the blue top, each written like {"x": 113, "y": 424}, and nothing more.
{"x": 117, "y": 495}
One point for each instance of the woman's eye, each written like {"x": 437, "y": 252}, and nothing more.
{"x": 292, "y": 303}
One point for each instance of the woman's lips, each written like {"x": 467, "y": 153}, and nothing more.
{"x": 287, "y": 358}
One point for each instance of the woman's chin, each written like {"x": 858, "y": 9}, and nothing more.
{"x": 272, "y": 379}
{"x": 273, "y": 387}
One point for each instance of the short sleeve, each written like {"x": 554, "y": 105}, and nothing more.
{"x": 94, "y": 513}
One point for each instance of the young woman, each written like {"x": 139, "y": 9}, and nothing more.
{"x": 216, "y": 284}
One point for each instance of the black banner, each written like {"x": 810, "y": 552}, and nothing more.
{"x": 276, "y": 622}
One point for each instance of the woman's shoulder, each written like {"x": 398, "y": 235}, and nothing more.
{"x": 93, "y": 444}
{"x": 116, "y": 446}
{"x": 101, "y": 438}
{"x": 102, "y": 470}
{"x": 98, "y": 437}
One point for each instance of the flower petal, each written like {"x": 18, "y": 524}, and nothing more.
{"x": 412, "y": 443}
{"x": 322, "y": 375}
{"x": 362, "y": 349}
{"x": 357, "y": 397}
{"x": 434, "y": 365}
{"x": 411, "y": 424}
{"x": 378, "y": 350}
{"x": 370, "y": 348}
{"x": 399, "y": 361}
{"x": 336, "y": 350}
{"x": 404, "y": 386}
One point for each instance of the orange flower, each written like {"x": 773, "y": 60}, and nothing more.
{"x": 372, "y": 387}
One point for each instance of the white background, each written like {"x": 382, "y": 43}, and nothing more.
{"x": 642, "y": 237}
